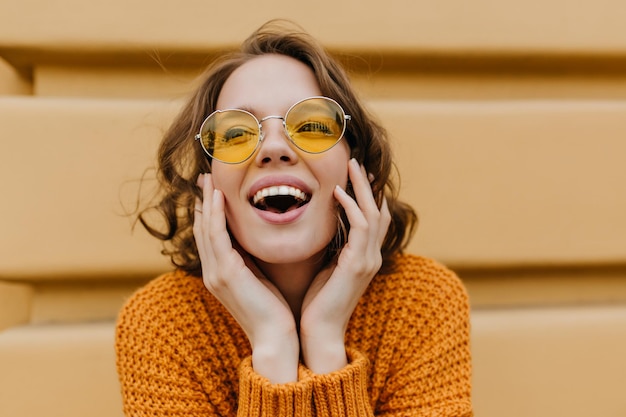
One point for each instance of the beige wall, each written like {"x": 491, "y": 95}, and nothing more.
{"x": 508, "y": 120}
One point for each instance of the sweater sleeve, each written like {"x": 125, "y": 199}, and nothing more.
{"x": 341, "y": 393}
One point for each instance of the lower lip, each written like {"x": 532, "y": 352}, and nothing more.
{"x": 281, "y": 218}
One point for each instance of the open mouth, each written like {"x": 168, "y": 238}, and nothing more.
{"x": 279, "y": 199}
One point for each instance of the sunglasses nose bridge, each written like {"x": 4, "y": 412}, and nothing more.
{"x": 262, "y": 135}
{"x": 272, "y": 117}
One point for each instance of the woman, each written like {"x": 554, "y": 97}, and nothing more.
{"x": 291, "y": 295}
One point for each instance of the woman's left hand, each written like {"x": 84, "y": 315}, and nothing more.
{"x": 336, "y": 290}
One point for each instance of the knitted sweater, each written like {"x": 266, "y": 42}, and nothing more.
{"x": 180, "y": 353}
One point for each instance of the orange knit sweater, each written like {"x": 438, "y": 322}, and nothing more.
{"x": 180, "y": 353}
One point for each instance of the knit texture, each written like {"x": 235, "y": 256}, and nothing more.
{"x": 180, "y": 353}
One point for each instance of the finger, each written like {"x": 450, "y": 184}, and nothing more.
{"x": 207, "y": 194}
{"x": 203, "y": 244}
{"x": 362, "y": 187}
{"x": 220, "y": 239}
{"x": 200, "y": 181}
{"x": 197, "y": 226}
{"x": 198, "y": 219}
{"x": 359, "y": 225}
{"x": 384, "y": 221}
{"x": 366, "y": 201}
{"x": 198, "y": 202}
{"x": 201, "y": 227}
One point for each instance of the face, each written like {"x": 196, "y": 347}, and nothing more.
{"x": 279, "y": 204}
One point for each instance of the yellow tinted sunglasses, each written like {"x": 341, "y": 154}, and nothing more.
{"x": 313, "y": 125}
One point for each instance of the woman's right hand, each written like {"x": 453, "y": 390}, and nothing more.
{"x": 233, "y": 278}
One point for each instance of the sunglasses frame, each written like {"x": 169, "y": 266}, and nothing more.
{"x": 261, "y": 135}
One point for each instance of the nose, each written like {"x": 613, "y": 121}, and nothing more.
{"x": 275, "y": 146}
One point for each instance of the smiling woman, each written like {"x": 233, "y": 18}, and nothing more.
{"x": 291, "y": 294}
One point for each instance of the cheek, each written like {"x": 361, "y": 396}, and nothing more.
{"x": 227, "y": 179}
{"x": 335, "y": 166}
{"x": 218, "y": 175}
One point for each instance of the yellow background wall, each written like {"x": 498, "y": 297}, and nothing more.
{"x": 509, "y": 124}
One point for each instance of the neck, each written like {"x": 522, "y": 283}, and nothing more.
{"x": 292, "y": 280}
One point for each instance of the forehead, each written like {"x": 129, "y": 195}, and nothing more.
{"x": 268, "y": 84}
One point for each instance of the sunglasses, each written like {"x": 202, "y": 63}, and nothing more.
{"x": 313, "y": 125}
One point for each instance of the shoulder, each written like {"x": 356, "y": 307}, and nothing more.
{"x": 419, "y": 292}
{"x": 164, "y": 293}
{"x": 163, "y": 303}
{"x": 423, "y": 278}
{"x": 422, "y": 303}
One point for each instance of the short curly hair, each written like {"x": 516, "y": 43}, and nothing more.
{"x": 181, "y": 159}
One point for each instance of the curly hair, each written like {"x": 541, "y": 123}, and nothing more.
{"x": 181, "y": 159}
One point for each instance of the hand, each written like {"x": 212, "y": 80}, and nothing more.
{"x": 336, "y": 290}
{"x": 233, "y": 278}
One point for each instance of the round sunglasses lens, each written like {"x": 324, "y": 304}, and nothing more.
{"x": 315, "y": 125}
{"x": 230, "y": 136}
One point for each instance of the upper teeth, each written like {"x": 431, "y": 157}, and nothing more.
{"x": 278, "y": 190}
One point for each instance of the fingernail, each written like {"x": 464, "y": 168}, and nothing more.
{"x": 371, "y": 177}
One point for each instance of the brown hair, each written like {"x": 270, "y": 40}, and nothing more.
{"x": 181, "y": 159}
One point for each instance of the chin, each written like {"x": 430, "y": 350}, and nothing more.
{"x": 294, "y": 242}
{"x": 287, "y": 252}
